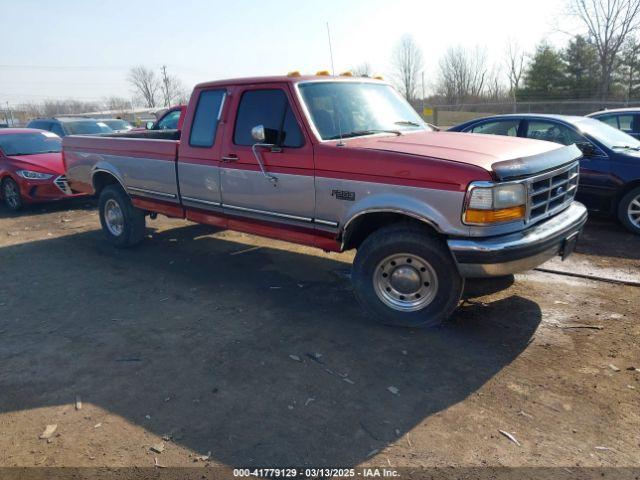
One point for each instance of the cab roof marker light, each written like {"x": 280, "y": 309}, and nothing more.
{"x": 378, "y": 77}
{"x": 323, "y": 73}
{"x": 293, "y": 73}
{"x": 348, "y": 73}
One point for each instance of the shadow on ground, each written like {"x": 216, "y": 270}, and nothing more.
{"x": 197, "y": 333}
{"x": 84, "y": 203}
{"x": 606, "y": 237}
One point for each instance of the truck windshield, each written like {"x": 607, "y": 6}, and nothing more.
{"x": 29, "y": 143}
{"x": 350, "y": 109}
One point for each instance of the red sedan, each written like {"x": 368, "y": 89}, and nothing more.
{"x": 31, "y": 167}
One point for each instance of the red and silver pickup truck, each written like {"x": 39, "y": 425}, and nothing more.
{"x": 343, "y": 163}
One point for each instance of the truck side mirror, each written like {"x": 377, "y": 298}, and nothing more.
{"x": 258, "y": 133}
{"x": 149, "y": 125}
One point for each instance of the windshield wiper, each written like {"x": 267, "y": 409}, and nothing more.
{"x": 407, "y": 122}
{"x": 357, "y": 133}
{"x": 625, "y": 147}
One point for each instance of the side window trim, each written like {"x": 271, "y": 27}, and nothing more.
{"x": 225, "y": 94}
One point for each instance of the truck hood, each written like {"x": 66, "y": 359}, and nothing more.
{"x": 40, "y": 162}
{"x": 506, "y": 157}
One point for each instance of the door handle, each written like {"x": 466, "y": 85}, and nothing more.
{"x": 230, "y": 158}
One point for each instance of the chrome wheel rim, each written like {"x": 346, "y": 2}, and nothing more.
{"x": 11, "y": 194}
{"x": 405, "y": 282}
{"x": 113, "y": 217}
{"x": 633, "y": 212}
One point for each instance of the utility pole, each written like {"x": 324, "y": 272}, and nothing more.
{"x": 333, "y": 70}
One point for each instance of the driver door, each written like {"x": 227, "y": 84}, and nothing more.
{"x": 284, "y": 192}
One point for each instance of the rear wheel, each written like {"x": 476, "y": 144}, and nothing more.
{"x": 629, "y": 210}
{"x": 122, "y": 223}
{"x": 11, "y": 194}
{"x": 406, "y": 277}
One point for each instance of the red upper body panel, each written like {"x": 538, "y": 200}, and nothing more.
{"x": 479, "y": 150}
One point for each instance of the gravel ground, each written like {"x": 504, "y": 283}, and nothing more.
{"x": 218, "y": 348}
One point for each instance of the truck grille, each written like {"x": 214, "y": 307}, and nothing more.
{"x": 551, "y": 192}
{"x": 62, "y": 183}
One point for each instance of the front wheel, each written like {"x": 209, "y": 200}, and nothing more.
{"x": 11, "y": 194}
{"x": 122, "y": 223}
{"x": 629, "y": 210}
{"x": 404, "y": 276}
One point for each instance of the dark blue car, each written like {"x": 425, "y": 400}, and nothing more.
{"x": 609, "y": 171}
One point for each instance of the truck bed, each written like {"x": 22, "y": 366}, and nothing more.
{"x": 143, "y": 166}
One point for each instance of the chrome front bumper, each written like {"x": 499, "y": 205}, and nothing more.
{"x": 520, "y": 251}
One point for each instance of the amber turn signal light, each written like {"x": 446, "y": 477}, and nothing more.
{"x": 494, "y": 216}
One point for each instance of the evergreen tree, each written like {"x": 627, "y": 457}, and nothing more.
{"x": 545, "y": 77}
{"x": 582, "y": 68}
{"x": 628, "y": 71}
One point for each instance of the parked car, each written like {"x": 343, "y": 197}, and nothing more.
{"x": 625, "y": 119}
{"x": 341, "y": 163}
{"x": 31, "y": 167}
{"x": 117, "y": 124}
{"x": 172, "y": 119}
{"x": 63, "y": 126}
{"x": 609, "y": 170}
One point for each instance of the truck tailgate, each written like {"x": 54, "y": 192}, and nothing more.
{"x": 144, "y": 167}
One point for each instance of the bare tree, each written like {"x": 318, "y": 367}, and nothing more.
{"x": 117, "y": 104}
{"x": 462, "y": 74}
{"x": 495, "y": 90}
{"x": 171, "y": 87}
{"x": 52, "y": 108}
{"x": 362, "y": 70}
{"x": 515, "y": 67}
{"x": 407, "y": 64}
{"x": 145, "y": 83}
{"x": 609, "y": 23}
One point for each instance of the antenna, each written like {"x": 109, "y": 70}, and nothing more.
{"x": 333, "y": 70}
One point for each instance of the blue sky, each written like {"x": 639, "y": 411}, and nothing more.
{"x": 84, "y": 48}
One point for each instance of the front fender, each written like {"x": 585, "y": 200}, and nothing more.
{"x": 343, "y": 200}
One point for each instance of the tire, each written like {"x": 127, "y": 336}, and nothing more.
{"x": 415, "y": 262}
{"x": 122, "y": 223}
{"x": 11, "y": 194}
{"x": 629, "y": 211}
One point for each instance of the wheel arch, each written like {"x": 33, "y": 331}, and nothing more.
{"x": 626, "y": 188}
{"x": 101, "y": 178}
{"x": 364, "y": 223}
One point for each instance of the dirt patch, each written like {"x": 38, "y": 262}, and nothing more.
{"x": 255, "y": 351}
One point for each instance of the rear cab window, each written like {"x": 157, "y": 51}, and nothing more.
{"x": 206, "y": 118}
{"x": 270, "y": 108}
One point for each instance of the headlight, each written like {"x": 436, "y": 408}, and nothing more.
{"x": 489, "y": 203}
{"x": 30, "y": 175}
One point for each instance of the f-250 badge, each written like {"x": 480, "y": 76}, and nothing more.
{"x": 343, "y": 195}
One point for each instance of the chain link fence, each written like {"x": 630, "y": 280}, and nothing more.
{"x": 449, "y": 115}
